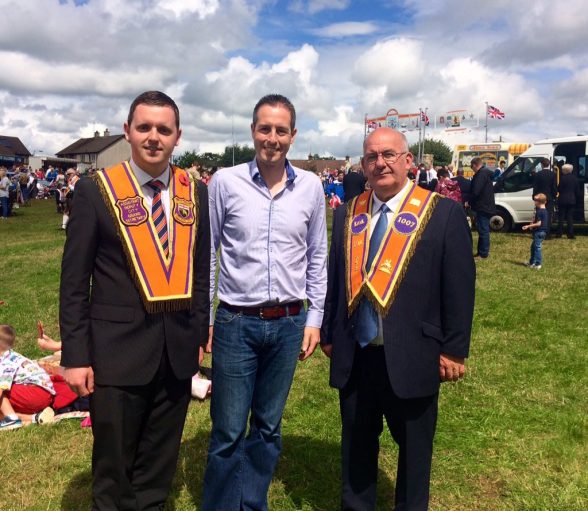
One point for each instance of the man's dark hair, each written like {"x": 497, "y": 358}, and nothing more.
{"x": 275, "y": 100}
{"x": 154, "y": 98}
{"x": 475, "y": 161}
{"x": 545, "y": 163}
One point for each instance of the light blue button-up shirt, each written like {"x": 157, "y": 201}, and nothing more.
{"x": 273, "y": 249}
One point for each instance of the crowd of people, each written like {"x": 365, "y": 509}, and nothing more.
{"x": 139, "y": 277}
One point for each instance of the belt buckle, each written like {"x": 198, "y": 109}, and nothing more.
{"x": 261, "y": 316}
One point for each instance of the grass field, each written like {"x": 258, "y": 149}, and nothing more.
{"x": 511, "y": 436}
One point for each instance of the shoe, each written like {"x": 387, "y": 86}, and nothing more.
{"x": 7, "y": 423}
{"x": 535, "y": 266}
{"x": 480, "y": 256}
{"x": 44, "y": 417}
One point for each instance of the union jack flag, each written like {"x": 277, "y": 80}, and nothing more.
{"x": 495, "y": 113}
{"x": 425, "y": 118}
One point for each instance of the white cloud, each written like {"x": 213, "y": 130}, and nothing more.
{"x": 346, "y": 29}
{"x": 202, "y": 8}
{"x": 390, "y": 70}
{"x": 67, "y": 69}
{"x": 21, "y": 72}
{"x": 316, "y": 6}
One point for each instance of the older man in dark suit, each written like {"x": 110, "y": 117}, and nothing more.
{"x": 134, "y": 307}
{"x": 397, "y": 321}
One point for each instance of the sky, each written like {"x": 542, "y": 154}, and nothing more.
{"x": 71, "y": 67}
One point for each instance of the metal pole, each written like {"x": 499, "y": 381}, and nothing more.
{"x": 365, "y": 126}
{"x": 424, "y": 132}
{"x": 233, "y": 135}
{"x": 420, "y": 133}
{"x": 486, "y": 126}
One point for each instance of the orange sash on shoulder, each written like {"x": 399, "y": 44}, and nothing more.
{"x": 393, "y": 256}
{"x": 165, "y": 282}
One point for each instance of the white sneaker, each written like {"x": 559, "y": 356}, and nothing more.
{"x": 44, "y": 417}
{"x": 536, "y": 266}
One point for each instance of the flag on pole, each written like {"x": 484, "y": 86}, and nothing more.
{"x": 495, "y": 113}
{"x": 425, "y": 118}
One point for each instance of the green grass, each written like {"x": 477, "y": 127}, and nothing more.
{"x": 511, "y": 436}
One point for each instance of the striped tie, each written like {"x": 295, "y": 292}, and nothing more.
{"x": 158, "y": 214}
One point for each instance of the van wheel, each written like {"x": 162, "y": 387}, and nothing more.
{"x": 500, "y": 222}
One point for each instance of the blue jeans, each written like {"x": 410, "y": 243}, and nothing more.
{"x": 253, "y": 364}
{"x": 4, "y": 202}
{"x": 536, "y": 245}
{"x": 483, "y": 225}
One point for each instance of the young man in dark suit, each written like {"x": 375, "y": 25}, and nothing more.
{"x": 395, "y": 246}
{"x": 134, "y": 307}
{"x": 544, "y": 182}
{"x": 482, "y": 203}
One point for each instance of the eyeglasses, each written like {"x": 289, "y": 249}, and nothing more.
{"x": 387, "y": 156}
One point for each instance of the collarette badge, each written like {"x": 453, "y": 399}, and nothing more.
{"x": 132, "y": 211}
{"x": 183, "y": 211}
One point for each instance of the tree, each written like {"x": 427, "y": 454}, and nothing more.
{"x": 440, "y": 150}
{"x": 186, "y": 160}
{"x": 243, "y": 154}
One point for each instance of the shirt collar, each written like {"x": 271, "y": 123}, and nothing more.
{"x": 144, "y": 178}
{"x": 394, "y": 202}
{"x": 254, "y": 171}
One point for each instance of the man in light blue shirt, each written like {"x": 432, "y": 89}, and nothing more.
{"x": 268, "y": 219}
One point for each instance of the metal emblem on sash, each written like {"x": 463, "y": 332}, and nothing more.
{"x": 183, "y": 211}
{"x": 132, "y": 211}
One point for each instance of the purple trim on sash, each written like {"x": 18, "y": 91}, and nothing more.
{"x": 406, "y": 244}
{"x": 126, "y": 228}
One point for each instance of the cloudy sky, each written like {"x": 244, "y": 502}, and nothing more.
{"x": 68, "y": 68}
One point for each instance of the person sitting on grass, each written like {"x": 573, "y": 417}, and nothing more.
{"x": 539, "y": 227}
{"x": 27, "y": 393}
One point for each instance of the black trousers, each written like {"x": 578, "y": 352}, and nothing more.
{"x": 565, "y": 211}
{"x": 365, "y": 401}
{"x": 137, "y": 434}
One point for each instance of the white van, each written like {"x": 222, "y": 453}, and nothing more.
{"x": 514, "y": 188}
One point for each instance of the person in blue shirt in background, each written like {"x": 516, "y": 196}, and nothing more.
{"x": 336, "y": 187}
{"x": 268, "y": 219}
{"x": 539, "y": 227}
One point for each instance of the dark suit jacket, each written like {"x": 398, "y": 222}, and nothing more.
{"x": 482, "y": 192}
{"x": 544, "y": 182}
{"x": 568, "y": 188}
{"x": 353, "y": 184}
{"x": 432, "y": 312}
{"x": 103, "y": 321}
{"x": 465, "y": 186}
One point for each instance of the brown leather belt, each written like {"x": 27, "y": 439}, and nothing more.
{"x": 266, "y": 311}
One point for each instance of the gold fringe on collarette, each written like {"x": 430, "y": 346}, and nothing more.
{"x": 366, "y": 291}
{"x": 152, "y": 307}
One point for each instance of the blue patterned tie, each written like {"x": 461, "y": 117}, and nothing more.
{"x": 158, "y": 214}
{"x": 366, "y": 323}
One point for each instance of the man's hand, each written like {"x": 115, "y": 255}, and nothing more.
{"x": 451, "y": 368}
{"x": 312, "y": 336}
{"x": 208, "y": 348}
{"x": 327, "y": 349}
{"x": 80, "y": 380}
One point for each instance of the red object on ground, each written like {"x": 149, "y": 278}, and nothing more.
{"x": 29, "y": 399}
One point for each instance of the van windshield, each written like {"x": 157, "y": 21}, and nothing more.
{"x": 520, "y": 174}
